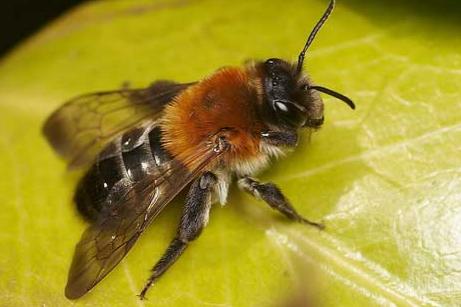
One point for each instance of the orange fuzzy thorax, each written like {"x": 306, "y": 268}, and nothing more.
{"x": 227, "y": 99}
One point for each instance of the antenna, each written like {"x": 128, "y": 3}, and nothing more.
{"x": 335, "y": 94}
{"x": 311, "y": 37}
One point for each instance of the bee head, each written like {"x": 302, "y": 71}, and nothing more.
{"x": 290, "y": 97}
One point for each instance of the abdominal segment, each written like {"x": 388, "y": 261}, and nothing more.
{"x": 125, "y": 161}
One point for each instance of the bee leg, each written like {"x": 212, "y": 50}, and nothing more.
{"x": 272, "y": 195}
{"x": 194, "y": 218}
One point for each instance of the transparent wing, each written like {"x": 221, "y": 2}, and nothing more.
{"x": 83, "y": 126}
{"x": 104, "y": 244}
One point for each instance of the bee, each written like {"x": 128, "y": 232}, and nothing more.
{"x": 141, "y": 147}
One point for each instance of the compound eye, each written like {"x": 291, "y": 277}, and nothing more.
{"x": 281, "y": 107}
{"x": 290, "y": 113}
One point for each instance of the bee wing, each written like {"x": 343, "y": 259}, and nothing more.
{"x": 80, "y": 128}
{"x": 104, "y": 243}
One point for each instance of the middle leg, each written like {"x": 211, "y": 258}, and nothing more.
{"x": 193, "y": 220}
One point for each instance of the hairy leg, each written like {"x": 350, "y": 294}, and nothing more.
{"x": 272, "y": 195}
{"x": 193, "y": 220}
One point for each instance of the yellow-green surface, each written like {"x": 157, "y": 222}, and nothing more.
{"x": 385, "y": 178}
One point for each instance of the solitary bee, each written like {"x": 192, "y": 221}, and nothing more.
{"x": 144, "y": 146}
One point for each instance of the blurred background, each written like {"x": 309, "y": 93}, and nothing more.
{"x": 21, "y": 18}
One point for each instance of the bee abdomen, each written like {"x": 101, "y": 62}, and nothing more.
{"x": 133, "y": 156}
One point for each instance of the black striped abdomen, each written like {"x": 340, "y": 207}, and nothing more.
{"x": 125, "y": 161}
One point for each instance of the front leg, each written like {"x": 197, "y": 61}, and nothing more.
{"x": 194, "y": 218}
{"x": 272, "y": 195}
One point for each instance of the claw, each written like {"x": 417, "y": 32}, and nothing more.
{"x": 320, "y": 226}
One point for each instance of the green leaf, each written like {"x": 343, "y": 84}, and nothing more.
{"x": 385, "y": 178}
